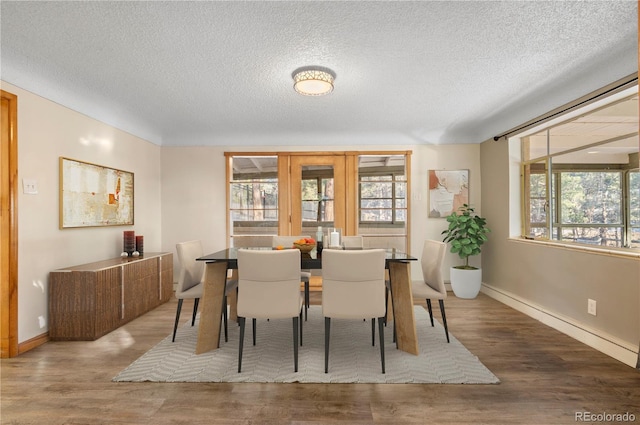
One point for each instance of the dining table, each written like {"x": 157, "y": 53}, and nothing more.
{"x": 220, "y": 262}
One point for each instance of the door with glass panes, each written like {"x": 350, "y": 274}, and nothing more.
{"x": 318, "y": 193}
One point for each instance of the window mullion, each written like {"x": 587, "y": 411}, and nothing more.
{"x": 393, "y": 198}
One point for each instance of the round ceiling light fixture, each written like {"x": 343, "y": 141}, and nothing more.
{"x": 313, "y": 81}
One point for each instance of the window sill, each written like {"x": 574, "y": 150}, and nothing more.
{"x": 615, "y": 252}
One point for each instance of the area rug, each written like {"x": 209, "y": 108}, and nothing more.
{"x": 352, "y": 358}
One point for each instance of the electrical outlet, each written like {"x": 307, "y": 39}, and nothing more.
{"x": 591, "y": 306}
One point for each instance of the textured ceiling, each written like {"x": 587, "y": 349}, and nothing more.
{"x": 219, "y": 73}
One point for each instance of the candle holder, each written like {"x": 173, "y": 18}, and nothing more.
{"x": 129, "y": 242}
{"x": 333, "y": 238}
{"x": 140, "y": 244}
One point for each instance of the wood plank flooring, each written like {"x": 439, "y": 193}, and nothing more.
{"x": 546, "y": 377}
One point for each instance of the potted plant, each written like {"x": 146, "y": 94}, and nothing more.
{"x": 467, "y": 231}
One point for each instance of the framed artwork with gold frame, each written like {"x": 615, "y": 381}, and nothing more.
{"x": 93, "y": 195}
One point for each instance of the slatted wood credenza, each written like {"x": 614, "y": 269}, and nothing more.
{"x": 91, "y": 300}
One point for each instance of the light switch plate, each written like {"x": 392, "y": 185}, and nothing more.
{"x": 30, "y": 186}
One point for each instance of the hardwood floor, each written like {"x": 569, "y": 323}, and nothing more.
{"x": 546, "y": 377}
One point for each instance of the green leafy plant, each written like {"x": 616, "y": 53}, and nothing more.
{"x": 467, "y": 231}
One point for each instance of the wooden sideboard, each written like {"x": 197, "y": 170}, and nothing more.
{"x": 91, "y": 300}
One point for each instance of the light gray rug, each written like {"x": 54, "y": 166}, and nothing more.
{"x": 352, "y": 359}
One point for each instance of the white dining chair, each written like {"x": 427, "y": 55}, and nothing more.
{"x": 353, "y": 288}
{"x": 191, "y": 282}
{"x": 431, "y": 287}
{"x": 353, "y": 242}
{"x": 269, "y": 288}
{"x": 305, "y": 275}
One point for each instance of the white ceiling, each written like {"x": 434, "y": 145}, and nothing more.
{"x": 219, "y": 73}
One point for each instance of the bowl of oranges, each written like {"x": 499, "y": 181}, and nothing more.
{"x": 305, "y": 245}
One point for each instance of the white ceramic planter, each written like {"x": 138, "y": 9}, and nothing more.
{"x": 466, "y": 283}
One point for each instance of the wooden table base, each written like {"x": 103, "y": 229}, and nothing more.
{"x": 211, "y": 307}
{"x": 405, "y": 322}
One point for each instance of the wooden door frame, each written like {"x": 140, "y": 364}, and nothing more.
{"x": 9, "y": 231}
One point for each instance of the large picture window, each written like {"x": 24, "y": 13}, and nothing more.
{"x": 580, "y": 178}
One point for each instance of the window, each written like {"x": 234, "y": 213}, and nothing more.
{"x": 382, "y": 199}
{"x": 580, "y": 178}
{"x": 538, "y": 205}
{"x": 590, "y": 207}
{"x": 634, "y": 208}
{"x": 253, "y": 195}
{"x": 254, "y": 199}
{"x": 317, "y": 196}
{"x": 382, "y": 188}
{"x": 364, "y": 194}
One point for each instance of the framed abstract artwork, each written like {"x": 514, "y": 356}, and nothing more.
{"x": 448, "y": 190}
{"x": 94, "y": 195}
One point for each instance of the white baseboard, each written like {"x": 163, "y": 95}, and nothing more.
{"x": 601, "y": 341}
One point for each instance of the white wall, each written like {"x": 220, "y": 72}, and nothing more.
{"x": 193, "y": 192}
{"x": 193, "y": 198}
{"x": 47, "y": 131}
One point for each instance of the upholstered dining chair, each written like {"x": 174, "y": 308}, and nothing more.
{"x": 305, "y": 275}
{"x": 251, "y": 241}
{"x": 191, "y": 282}
{"x": 353, "y": 288}
{"x": 431, "y": 287}
{"x": 352, "y": 242}
{"x": 269, "y": 288}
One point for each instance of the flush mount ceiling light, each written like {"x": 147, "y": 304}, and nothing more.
{"x": 313, "y": 81}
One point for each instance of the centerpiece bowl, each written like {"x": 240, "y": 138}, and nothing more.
{"x": 305, "y": 245}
